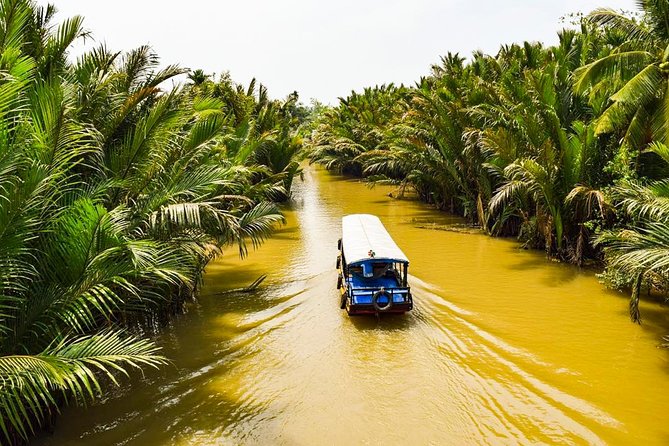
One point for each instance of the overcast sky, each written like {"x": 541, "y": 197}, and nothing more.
{"x": 322, "y": 49}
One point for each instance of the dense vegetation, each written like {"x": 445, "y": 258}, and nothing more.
{"x": 565, "y": 147}
{"x": 115, "y": 192}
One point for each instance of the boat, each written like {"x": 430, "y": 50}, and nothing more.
{"x": 372, "y": 269}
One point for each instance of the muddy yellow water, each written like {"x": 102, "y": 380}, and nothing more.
{"x": 503, "y": 347}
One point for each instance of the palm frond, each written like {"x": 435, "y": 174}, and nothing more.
{"x": 70, "y": 367}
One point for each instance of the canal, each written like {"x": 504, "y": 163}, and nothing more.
{"x": 503, "y": 347}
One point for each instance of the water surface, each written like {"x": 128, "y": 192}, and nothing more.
{"x": 503, "y": 347}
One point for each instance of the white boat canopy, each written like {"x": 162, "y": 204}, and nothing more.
{"x": 364, "y": 233}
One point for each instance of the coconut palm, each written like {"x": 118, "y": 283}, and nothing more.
{"x": 198, "y": 77}
{"x": 31, "y": 385}
{"x": 537, "y": 145}
{"x": 355, "y": 127}
{"x": 65, "y": 264}
{"x": 633, "y": 73}
{"x": 639, "y": 251}
{"x": 114, "y": 194}
{"x": 427, "y": 149}
{"x": 503, "y": 140}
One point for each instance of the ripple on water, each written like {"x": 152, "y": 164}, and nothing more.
{"x": 502, "y": 348}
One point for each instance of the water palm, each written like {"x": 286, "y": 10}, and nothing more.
{"x": 113, "y": 197}
{"x": 634, "y": 74}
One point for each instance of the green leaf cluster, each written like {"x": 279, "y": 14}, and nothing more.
{"x": 116, "y": 190}
{"x": 563, "y": 146}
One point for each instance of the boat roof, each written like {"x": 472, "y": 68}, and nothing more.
{"x": 364, "y": 232}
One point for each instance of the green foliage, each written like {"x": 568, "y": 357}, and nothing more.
{"x": 70, "y": 368}
{"x": 260, "y": 131}
{"x": 114, "y": 194}
{"x": 502, "y": 140}
{"x": 561, "y": 146}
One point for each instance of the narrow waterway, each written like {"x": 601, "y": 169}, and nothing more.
{"x": 503, "y": 347}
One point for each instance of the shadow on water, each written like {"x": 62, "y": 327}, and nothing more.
{"x": 502, "y": 348}
{"x": 383, "y": 202}
{"x": 384, "y": 322}
{"x": 561, "y": 276}
{"x": 427, "y": 217}
{"x": 654, "y": 319}
{"x": 222, "y": 286}
{"x": 653, "y": 309}
{"x": 560, "y": 273}
{"x": 239, "y": 302}
{"x": 286, "y": 234}
{"x": 247, "y": 302}
{"x": 203, "y": 396}
{"x": 528, "y": 264}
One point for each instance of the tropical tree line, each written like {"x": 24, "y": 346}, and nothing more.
{"x": 116, "y": 190}
{"x": 564, "y": 146}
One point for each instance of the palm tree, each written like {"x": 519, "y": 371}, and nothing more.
{"x": 543, "y": 132}
{"x": 197, "y": 77}
{"x": 639, "y": 252}
{"x": 63, "y": 262}
{"x": 355, "y": 127}
{"x": 426, "y": 150}
{"x": 633, "y": 73}
{"x": 114, "y": 195}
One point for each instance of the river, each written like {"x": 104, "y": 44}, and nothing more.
{"x": 503, "y": 347}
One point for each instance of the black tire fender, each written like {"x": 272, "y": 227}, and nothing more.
{"x": 375, "y": 301}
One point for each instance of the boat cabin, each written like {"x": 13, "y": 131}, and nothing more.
{"x": 373, "y": 270}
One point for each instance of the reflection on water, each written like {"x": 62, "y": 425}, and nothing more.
{"x": 503, "y": 347}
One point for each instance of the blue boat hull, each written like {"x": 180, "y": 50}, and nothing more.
{"x": 360, "y": 301}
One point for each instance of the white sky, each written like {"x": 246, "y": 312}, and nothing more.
{"x": 322, "y": 49}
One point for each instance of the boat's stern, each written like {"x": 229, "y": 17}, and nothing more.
{"x": 377, "y": 300}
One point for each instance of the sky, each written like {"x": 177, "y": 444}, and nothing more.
{"x": 322, "y": 49}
